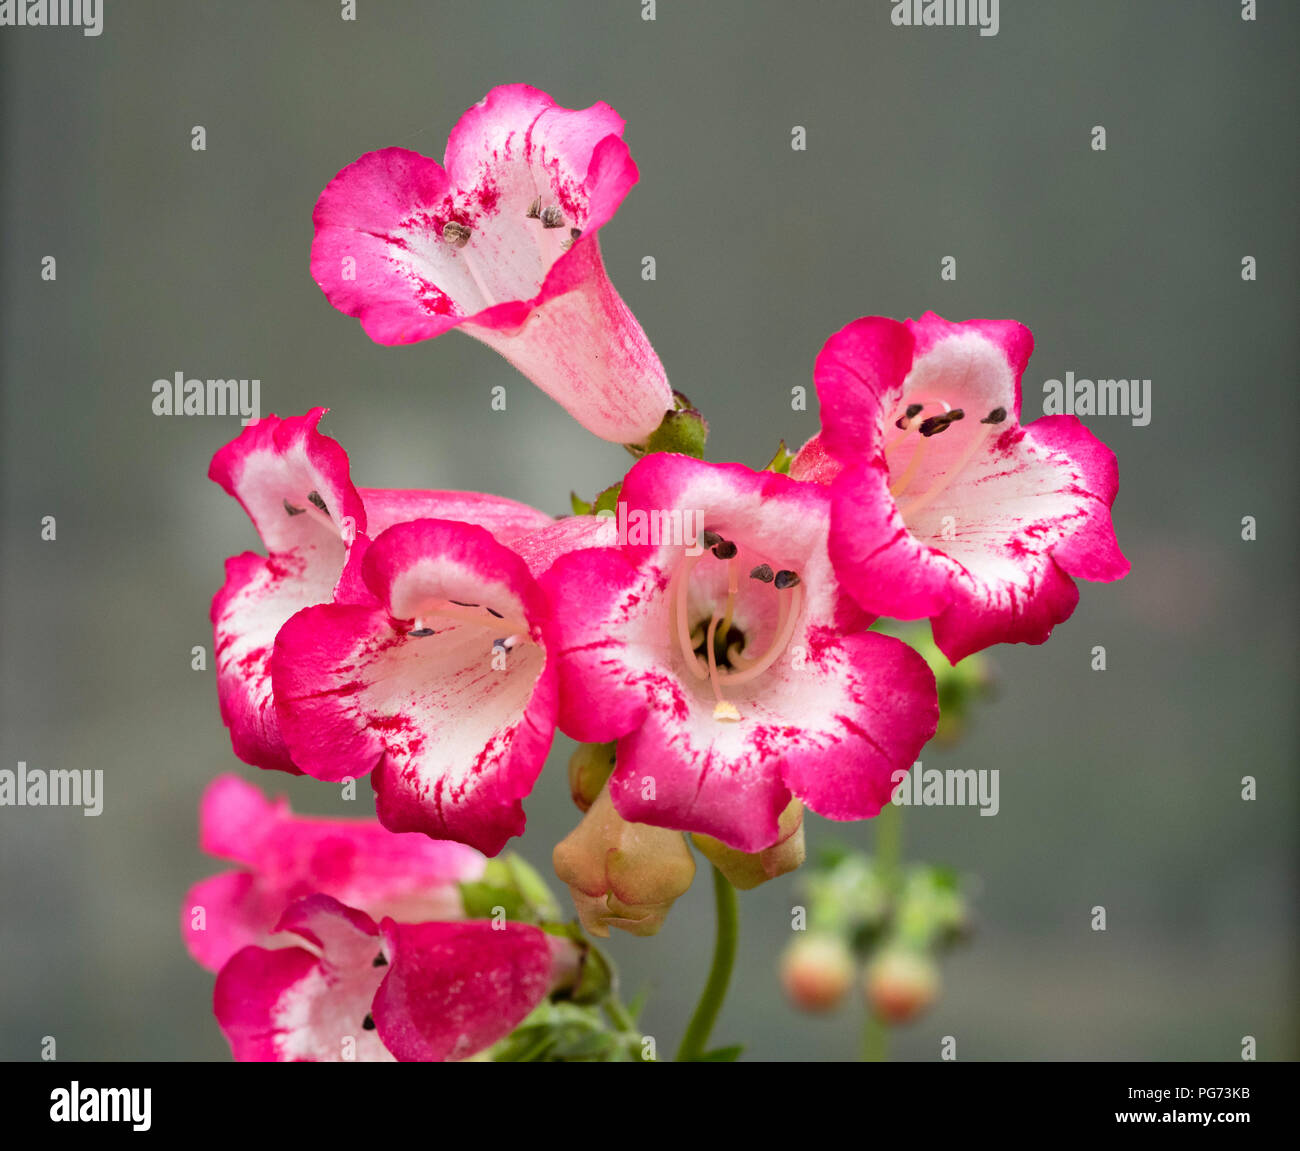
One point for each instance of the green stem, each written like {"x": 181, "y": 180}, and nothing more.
{"x": 889, "y": 844}
{"x": 889, "y": 860}
{"x": 724, "y": 958}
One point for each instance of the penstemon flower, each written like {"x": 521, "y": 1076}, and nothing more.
{"x": 734, "y": 673}
{"x": 285, "y": 857}
{"x": 501, "y": 241}
{"x": 943, "y": 504}
{"x": 348, "y": 990}
{"x": 441, "y": 683}
{"x": 295, "y": 484}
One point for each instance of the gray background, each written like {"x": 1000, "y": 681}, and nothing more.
{"x": 1118, "y": 788}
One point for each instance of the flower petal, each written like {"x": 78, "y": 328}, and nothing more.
{"x": 453, "y": 989}
{"x": 506, "y": 519}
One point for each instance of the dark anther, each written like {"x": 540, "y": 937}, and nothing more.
{"x": 314, "y": 497}
{"x": 293, "y": 511}
{"x": 725, "y": 549}
{"x": 459, "y": 604}
{"x": 552, "y": 218}
{"x": 936, "y": 424}
{"x": 996, "y": 416}
{"x": 575, "y": 233}
{"x": 380, "y": 961}
{"x": 421, "y": 632}
{"x": 913, "y": 410}
{"x": 711, "y": 539}
{"x": 500, "y": 643}
{"x": 457, "y": 235}
{"x": 785, "y": 579}
{"x": 495, "y": 613}
{"x": 762, "y": 572}
{"x": 534, "y": 209}
{"x": 368, "y": 1023}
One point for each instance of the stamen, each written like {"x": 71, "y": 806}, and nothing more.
{"x": 462, "y": 614}
{"x": 905, "y": 420}
{"x": 368, "y": 1023}
{"x": 725, "y": 550}
{"x": 958, "y": 466}
{"x": 457, "y": 235}
{"x": 763, "y": 572}
{"x": 552, "y": 217}
{"x": 293, "y": 511}
{"x": 900, "y": 485}
{"x": 534, "y": 210}
{"x": 785, "y": 579}
{"x": 996, "y": 416}
{"x": 679, "y": 597}
{"x": 710, "y": 538}
{"x": 936, "y": 424}
{"x": 733, "y": 587}
{"x": 379, "y": 961}
{"x": 790, "y": 605}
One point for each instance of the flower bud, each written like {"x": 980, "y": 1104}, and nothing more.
{"x": 747, "y": 871}
{"x": 589, "y": 767}
{"x": 817, "y": 971}
{"x": 901, "y": 984}
{"x": 622, "y": 874}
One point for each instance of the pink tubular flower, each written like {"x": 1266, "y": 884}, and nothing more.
{"x": 296, "y": 487}
{"x": 442, "y": 684}
{"x": 947, "y": 507}
{"x": 288, "y": 856}
{"x": 501, "y": 240}
{"x": 349, "y": 990}
{"x": 736, "y": 677}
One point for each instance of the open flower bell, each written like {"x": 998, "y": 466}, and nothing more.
{"x": 943, "y": 504}
{"x": 501, "y": 241}
{"x": 729, "y": 666}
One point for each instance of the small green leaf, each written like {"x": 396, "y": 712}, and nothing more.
{"x": 607, "y": 501}
{"x": 580, "y": 506}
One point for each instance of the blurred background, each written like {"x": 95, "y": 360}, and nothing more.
{"x": 1120, "y": 788}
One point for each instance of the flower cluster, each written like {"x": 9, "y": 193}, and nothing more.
{"x": 704, "y": 630}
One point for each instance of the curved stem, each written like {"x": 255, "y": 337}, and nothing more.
{"x": 724, "y": 958}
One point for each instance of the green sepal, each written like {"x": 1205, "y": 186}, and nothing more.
{"x": 781, "y": 461}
